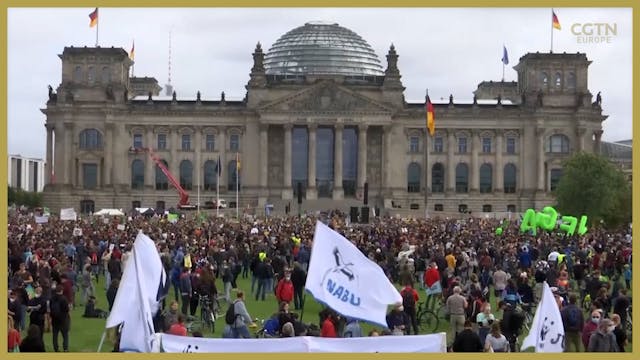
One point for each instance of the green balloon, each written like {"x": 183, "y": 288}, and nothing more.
{"x": 529, "y": 222}
{"x": 499, "y": 231}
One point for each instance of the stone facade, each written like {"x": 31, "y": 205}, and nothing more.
{"x": 93, "y": 120}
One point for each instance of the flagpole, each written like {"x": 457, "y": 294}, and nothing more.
{"x": 551, "y": 31}
{"x": 218, "y": 189}
{"x": 426, "y": 158}
{"x": 237, "y": 188}
{"x": 97, "y": 28}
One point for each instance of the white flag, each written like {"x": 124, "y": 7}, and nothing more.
{"x": 143, "y": 285}
{"x": 547, "y": 330}
{"x": 341, "y": 277}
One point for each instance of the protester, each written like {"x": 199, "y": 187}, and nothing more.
{"x": 60, "y": 319}
{"x": 467, "y": 340}
{"x": 496, "y": 342}
{"x": 573, "y": 322}
{"x": 13, "y": 341}
{"x": 603, "y": 339}
{"x": 242, "y": 318}
{"x": 33, "y": 341}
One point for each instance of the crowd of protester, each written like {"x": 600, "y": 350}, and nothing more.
{"x": 461, "y": 265}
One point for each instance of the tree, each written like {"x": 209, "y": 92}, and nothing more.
{"x": 591, "y": 185}
{"x": 20, "y": 197}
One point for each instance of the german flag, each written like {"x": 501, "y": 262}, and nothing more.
{"x": 132, "y": 54}
{"x": 238, "y": 162}
{"x": 431, "y": 118}
{"x": 554, "y": 19}
{"x": 94, "y": 18}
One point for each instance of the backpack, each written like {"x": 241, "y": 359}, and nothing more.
{"x": 408, "y": 301}
{"x": 230, "y": 316}
{"x": 573, "y": 318}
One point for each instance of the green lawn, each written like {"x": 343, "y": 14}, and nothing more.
{"x": 85, "y": 334}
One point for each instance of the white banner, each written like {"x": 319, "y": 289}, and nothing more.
{"x": 434, "y": 343}
{"x": 341, "y": 277}
{"x": 121, "y": 227}
{"x": 547, "y": 329}
{"x": 42, "y": 219}
{"x": 77, "y": 232}
{"x": 68, "y": 214}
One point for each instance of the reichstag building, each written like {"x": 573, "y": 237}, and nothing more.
{"x": 323, "y": 111}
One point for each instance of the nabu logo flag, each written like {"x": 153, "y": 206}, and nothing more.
{"x": 341, "y": 277}
{"x": 547, "y": 329}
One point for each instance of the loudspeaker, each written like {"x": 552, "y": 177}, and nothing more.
{"x": 299, "y": 193}
{"x": 364, "y": 215}
{"x": 366, "y": 193}
{"x": 354, "y": 214}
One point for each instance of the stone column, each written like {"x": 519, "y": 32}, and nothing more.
{"x": 49, "y": 160}
{"x": 499, "y": 167}
{"x": 69, "y": 159}
{"x": 264, "y": 158}
{"x": 311, "y": 187}
{"x": 541, "y": 174}
{"x": 451, "y": 167}
{"x": 120, "y": 155}
{"x": 475, "y": 166}
{"x": 198, "y": 180}
{"x": 338, "y": 191}
{"x": 222, "y": 150}
{"x": 175, "y": 145}
{"x": 107, "y": 171}
{"x": 386, "y": 163}
{"x": 598, "y": 135}
{"x": 149, "y": 165}
{"x": 362, "y": 155}
{"x": 580, "y": 134}
{"x": 287, "y": 192}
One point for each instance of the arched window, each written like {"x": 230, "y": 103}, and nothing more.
{"x": 437, "y": 178}
{"x": 186, "y": 174}
{"x": 571, "y": 81}
{"x": 544, "y": 79}
{"x": 137, "y": 174}
{"x": 162, "y": 183}
{"x": 554, "y": 178}
{"x": 413, "y": 178}
{"x": 210, "y": 176}
{"x": 558, "y": 81}
{"x": 231, "y": 173}
{"x": 486, "y": 178}
{"x": 558, "y": 143}
{"x": 509, "y": 179}
{"x": 462, "y": 178}
{"x": 90, "y": 139}
{"x": 106, "y": 75}
{"x": 77, "y": 74}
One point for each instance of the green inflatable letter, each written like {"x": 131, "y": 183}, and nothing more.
{"x": 529, "y": 221}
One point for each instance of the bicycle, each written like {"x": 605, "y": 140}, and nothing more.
{"x": 193, "y": 324}
{"x": 428, "y": 321}
{"x": 207, "y": 312}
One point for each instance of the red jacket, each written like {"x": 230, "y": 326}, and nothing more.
{"x": 416, "y": 297}
{"x": 284, "y": 291}
{"x": 328, "y": 329}
{"x": 431, "y": 276}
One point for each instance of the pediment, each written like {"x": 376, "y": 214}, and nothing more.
{"x": 326, "y": 98}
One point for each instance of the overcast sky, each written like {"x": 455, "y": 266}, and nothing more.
{"x": 448, "y": 51}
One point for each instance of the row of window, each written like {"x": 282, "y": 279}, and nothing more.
{"x": 186, "y": 143}
{"x": 557, "y": 144}
{"x": 414, "y": 175}
{"x": 571, "y": 80}
{"x": 91, "y": 139}
{"x": 91, "y": 74}
{"x": 463, "y": 208}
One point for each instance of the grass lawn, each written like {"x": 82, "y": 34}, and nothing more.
{"x": 85, "y": 334}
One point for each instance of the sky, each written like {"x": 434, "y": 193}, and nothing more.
{"x": 448, "y": 51}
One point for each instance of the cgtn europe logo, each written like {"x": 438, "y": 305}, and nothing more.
{"x": 594, "y": 33}
{"x": 341, "y": 281}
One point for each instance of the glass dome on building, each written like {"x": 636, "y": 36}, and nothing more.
{"x": 319, "y": 48}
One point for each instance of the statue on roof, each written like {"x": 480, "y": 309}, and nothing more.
{"x": 222, "y": 97}
{"x": 598, "y": 99}
{"x": 451, "y": 99}
{"x": 499, "y": 99}
{"x": 53, "y": 97}
{"x": 150, "y": 96}
{"x": 475, "y": 99}
{"x": 173, "y": 96}
{"x": 198, "y": 96}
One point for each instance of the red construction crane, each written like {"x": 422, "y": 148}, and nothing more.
{"x": 184, "y": 196}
